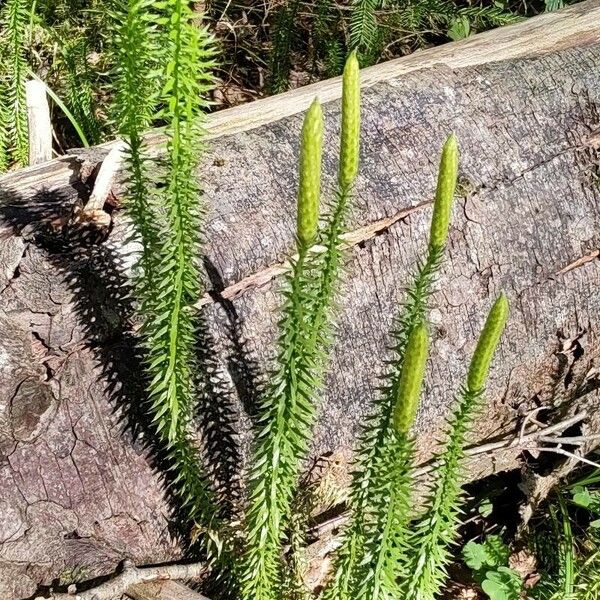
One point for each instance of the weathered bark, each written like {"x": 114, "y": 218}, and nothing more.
{"x": 80, "y": 490}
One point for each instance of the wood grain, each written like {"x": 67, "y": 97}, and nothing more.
{"x": 38, "y": 122}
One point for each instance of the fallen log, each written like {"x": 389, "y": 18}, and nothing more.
{"x": 81, "y": 486}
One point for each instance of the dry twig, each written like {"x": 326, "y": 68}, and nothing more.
{"x": 130, "y": 576}
{"x": 523, "y": 441}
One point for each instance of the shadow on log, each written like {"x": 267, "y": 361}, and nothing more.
{"x": 81, "y": 485}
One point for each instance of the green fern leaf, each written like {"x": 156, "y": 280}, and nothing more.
{"x": 363, "y": 25}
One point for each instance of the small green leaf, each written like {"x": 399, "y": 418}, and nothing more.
{"x": 485, "y": 508}
{"x": 497, "y": 550}
{"x": 493, "y": 552}
{"x": 582, "y": 496}
{"x": 460, "y": 28}
{"x": 502, "y": 584}
{"x": 475, "y": 556}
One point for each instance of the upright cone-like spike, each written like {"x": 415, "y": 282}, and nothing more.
{"x": 411, "y": 379}
{"x": 350, "y": 122}
{"x": 444, "y": 195}
{"x": 486, "y": 345}
{"x": 310, "y": 174}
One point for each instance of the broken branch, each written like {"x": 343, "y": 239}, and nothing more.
{"x": 130, "y": 576}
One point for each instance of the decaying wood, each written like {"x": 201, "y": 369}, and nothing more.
{"x": 105, "y": 180}
{"x": 39, "y": 124}
{"x": 167, "y": 590}
{"x": 135, "y": 582}
{"x": 81, "y": 486}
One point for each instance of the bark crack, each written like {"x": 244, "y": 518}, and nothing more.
{"x": 15, "y": 271}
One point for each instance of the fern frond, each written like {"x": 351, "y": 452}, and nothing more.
{"x": 436, "y": 531}
{"x": 485, "y": 17}
{"x": 327, "y": 39}
{"x": 14, "y": 18}
{"x": 378, "y": 432}
{"x": 363, "y": 24}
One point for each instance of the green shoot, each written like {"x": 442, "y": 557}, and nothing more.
{"x": 436, "y": 530}
{"x": 168, "y": 224}
{"x": 136, "y": 96}
{"x": 377, "y": 576}
{"x": 13, "y": 113}
{"x": 289, "y": 407}
{"x": 375, "y": 438}
{"x": 288, "y": 410}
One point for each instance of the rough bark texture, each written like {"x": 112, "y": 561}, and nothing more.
{"x": 80, "y": 484}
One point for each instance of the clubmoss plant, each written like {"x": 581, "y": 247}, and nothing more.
{"x": 13, "y": 111}
{"x": 384, "y": 554}
{"x": 378, "y": 573}
{"x": 287, "y": 414}
{"x": 375, "y": 438}
{"x": 288, "y": 409}
{"x": 169, "y": 334}
{"x": 136, "y": 90}
{"x": 327, "y": 265}
{"x": 168, "y": 223}
{"x": 436, "y": 531}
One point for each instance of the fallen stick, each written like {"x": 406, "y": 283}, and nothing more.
{"x": 131, "y": 576}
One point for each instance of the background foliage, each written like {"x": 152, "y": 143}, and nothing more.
{"x": 263, "y": 48}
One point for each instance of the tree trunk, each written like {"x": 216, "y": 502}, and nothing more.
{"x": 80, "y": 479}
